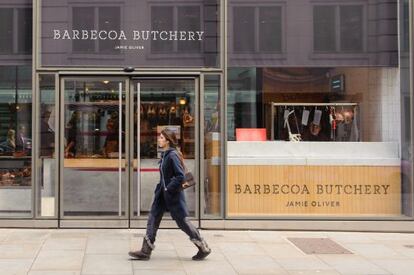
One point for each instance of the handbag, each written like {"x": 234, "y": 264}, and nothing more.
{"x": 189, "y": 179}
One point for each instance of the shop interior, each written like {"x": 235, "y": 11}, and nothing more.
{"x": 314, "y": 104}
{"x": 15, "y": 126}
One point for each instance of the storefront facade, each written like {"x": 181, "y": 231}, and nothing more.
{"x": 291, "y": 114}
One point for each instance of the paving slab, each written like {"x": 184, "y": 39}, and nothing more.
{"x": 160, "y": 259}
{"x": 208, "y": 267}
{"x": 255, "y": 265}
{"x": 283, "y": 250}
{"x": 65, "y": 244}
{"x": 241, "y": 248}
{"x": 15, "y": 266}
{"x": 396, "y": 267}
{"x": 306, "y": 263}
{"x": 352, "y": 264}
{"x": 107, "y": 246}
{"x": 107, "y": 265}
{"x": 19, "y": 251}
{"x": 26, "y": 237}
{"x": 61, "y": 260}
{"x": 375, "y": 251}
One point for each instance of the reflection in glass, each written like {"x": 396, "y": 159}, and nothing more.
{"x": 351, "y": 28}
{"x": 189, "y": 20}
{"x": 324, "y": 34}
{"x": 162, "y": 19}
{"x": 16, "y": 30}
{"x": 270, "y": 28}
{"x": 24, "y": 31}
{"x": 47, "y": 154}
{"x": 83, "y": 19}
{"x": 406, "y": 107}
{"x": 341, "y": 125}
{"x": 244, "y": 29}
{"x": 6, "y": 30}
{"x": 312, "y": 33}
{"x": 163, "y": 103}
{"x": 94, "y": 176}
{"x": 212, "y": 146}
{"x": 15, "y": 140}
{"x": 109, "y": 20}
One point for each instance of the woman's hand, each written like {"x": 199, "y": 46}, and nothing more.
{"x": 185, "y": 185}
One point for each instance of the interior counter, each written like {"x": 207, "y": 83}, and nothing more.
{"x": 313, "y": 153}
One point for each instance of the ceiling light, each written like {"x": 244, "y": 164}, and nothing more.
{"x": 182, "y": 101}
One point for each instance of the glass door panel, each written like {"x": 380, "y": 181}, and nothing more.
{"x": 162, "y": 103}
{"x": 94, "y": 177}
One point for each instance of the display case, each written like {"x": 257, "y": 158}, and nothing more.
{"x": 315, "y": 122}
{"x": 15, "y": 172}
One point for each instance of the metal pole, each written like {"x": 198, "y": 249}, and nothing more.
{"x": 138, "y": 133}
{"x": 120, "y": 152}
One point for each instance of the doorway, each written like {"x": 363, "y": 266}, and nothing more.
{"x": 109, "y": 153}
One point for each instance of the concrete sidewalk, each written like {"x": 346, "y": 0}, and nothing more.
{"x": 104, "y": 251}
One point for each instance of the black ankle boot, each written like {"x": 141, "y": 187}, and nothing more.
{"x": 203, "y": 250}
{"x": 145, "y": 253}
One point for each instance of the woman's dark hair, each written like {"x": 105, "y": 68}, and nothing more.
{"x": 172, "y": 138}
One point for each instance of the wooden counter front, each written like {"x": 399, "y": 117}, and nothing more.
{"x": 272, "y": 190}
{"x": 93, "y": 163}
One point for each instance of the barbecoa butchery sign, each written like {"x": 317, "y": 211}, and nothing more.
{"x": 135, "y": 35}
{"x": 328, "y": 190}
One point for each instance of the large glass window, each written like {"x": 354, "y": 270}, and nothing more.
{"x": 47, "y": 156}
{"x": 406, "y": 78}
{"x": 16, "y": 109}
{"x": 316, "y": 141}
{"x": 93, "y": 176}
{"x": 322, "y": 128}
{"x": 15, "y": 140}
{"x": 213, "y": 192}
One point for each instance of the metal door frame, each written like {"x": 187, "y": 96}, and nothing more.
{"x": 134, "y": 80}
{"x": 97, "y": 221}
{"x": 128, "y": 220}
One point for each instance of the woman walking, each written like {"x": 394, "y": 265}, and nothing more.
{"x": 169, "y": 196}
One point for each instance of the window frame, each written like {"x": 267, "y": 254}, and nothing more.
{"x": 96, "y": 26}
{"x": 15, "y": 54}
{"x": 338, "y": 46}
{"x": 257, "y": 7}
{"x": 175, "y": 51}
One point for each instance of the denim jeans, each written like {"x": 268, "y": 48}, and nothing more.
{"x": 184, "y": 224}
